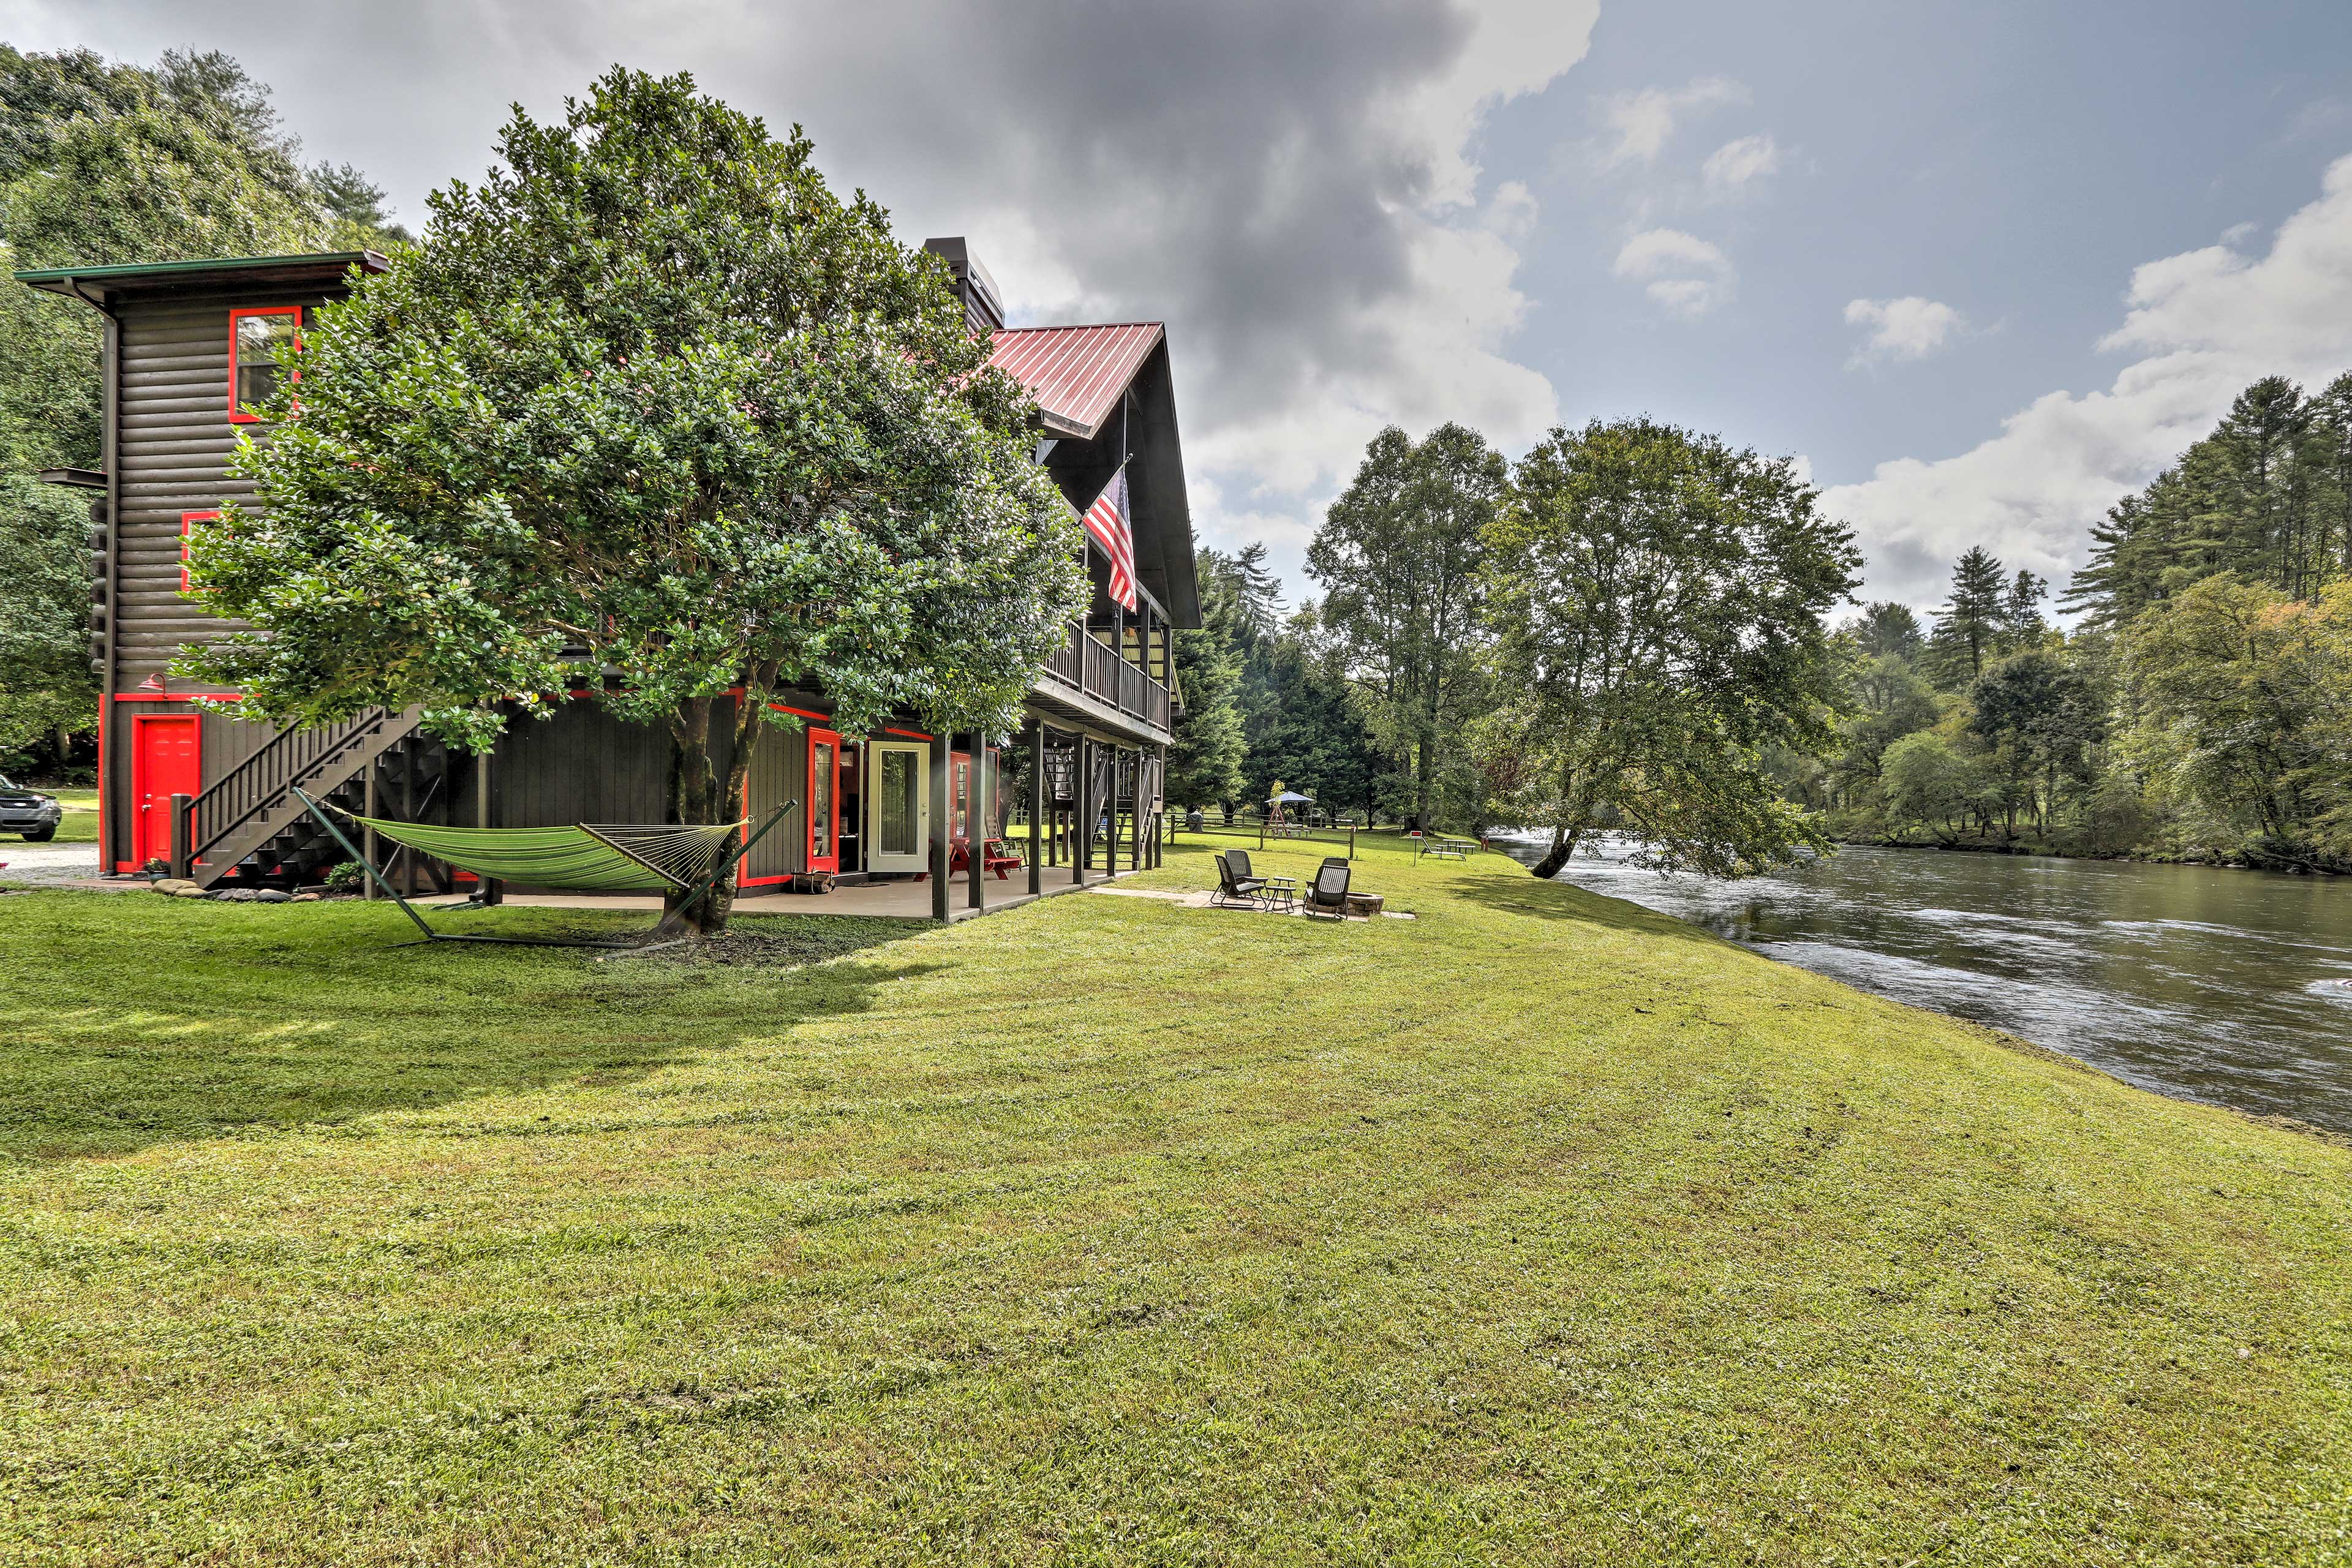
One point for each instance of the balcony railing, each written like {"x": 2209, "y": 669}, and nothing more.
{"x": 1087, "y": 663}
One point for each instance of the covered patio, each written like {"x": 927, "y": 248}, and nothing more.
{"x": 900, "y": 899}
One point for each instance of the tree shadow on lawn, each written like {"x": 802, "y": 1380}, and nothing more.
{"x": 1525, "y": 895}
{"x": 127, "y": 1022}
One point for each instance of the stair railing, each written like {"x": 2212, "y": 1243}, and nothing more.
{"x": 292, "y": 757}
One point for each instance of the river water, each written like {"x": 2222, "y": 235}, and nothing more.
{"x": 2193, "y": 981}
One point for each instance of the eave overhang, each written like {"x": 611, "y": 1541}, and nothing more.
{"x": 97, "y": 284}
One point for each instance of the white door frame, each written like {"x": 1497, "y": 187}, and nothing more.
{"x": 876, "y": 857}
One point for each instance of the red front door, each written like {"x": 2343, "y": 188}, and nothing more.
{"x": 166, "y": 761}
{"x": 824, "y": 801}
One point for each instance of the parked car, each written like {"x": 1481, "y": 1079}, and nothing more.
{"x": 28, "y": 812}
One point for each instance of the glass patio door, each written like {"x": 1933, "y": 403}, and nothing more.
{"x": 898, "y": 814}
{"x": 824, "y": 801}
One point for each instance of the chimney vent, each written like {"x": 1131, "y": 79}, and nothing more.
{"x": 982, "y": 306}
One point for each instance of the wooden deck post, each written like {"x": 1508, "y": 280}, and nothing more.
{"x": 1036, "y": 801}
{"x": 976, "y": 832}
{"x": 408, "y": 813}
{"x": 180, "y": 858}
{"x": 489, "y": 890}
{"x": 1082, "y": 819}
{"x": 943, "y": 826}
{"x": 372, "y": 808}
{"x": 1135, "y": 816}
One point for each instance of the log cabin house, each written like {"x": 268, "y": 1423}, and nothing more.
{"x": 187, "y": 345}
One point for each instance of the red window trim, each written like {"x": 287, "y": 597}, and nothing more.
{"x": 808, "y": 844}
{"x": 186, "y": 518}
{"x": 238, "y": 416}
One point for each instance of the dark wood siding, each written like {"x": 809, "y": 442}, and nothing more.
{"x": 175, "y": 444}
{"x": 580, "y": 766}
{"x": 779, "y": 773}
{"x": 169, "y": 452}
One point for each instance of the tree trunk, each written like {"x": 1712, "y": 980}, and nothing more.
{"x": 1563, "y": 847}
{"x": 699, "y": 793}
{"x": 1421, "y": 793}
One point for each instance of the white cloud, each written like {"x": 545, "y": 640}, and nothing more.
{"x": 1295, "y": 192}
{"x": 1685, "y": 275}
{"x": 1735, "y": 165}
{"x": 1641, "y": 124}
{"x": 1904, "y": 328}
{"x": 2206, "y": 324}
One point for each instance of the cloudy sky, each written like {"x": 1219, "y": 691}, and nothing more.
{"x": 1984, "y": 265}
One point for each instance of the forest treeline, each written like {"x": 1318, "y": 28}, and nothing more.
{"x": 1631, "y": 627}
{"x": 2200, "y": 708}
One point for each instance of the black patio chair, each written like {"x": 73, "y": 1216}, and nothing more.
{"x": 1236, "y": 883}
{"x": 1327, "y": 894}
{"x": 1236, "y": 887}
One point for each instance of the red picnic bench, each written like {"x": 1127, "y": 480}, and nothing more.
{"x": 1000, "y": 858}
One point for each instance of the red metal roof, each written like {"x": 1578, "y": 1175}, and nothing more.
{"x": 1075, "y": 374}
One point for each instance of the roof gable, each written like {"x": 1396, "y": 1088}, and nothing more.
{"x": 1075, "y": 374}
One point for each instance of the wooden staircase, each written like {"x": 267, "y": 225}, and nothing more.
{"x": 248, "y": 829}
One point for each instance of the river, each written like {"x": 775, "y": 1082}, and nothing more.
{"x": 2194, "y": 981}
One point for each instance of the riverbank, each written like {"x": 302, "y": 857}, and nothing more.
{"x": 2137, "y": 856}
{"x": 1538, "y": 1227}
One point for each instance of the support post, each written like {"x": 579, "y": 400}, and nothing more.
{"x": 373, "y": 805}
{"x": 489, "y": 890}
{"x": 408, "y": 813}
{"x": 180, "y": 857}
{"x": 976, "y": 834}
{"x": 1135, "y": 816}
{"x": 943, "y": 826}
{"x": 1036, "y": 803}
{"x": 1082, "y": 813}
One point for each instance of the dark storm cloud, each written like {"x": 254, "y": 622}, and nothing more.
{"x": 1267, "y": 178}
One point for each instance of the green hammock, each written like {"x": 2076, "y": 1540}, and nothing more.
{"x": 686, "y": 858}
{"x": 588, "y": 859}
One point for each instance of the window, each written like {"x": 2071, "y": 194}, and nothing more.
{"x": 258, "y": 343}
{"x": 188, "y": 526}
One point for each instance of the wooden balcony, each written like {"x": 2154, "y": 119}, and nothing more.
{"x": 1087, "y": 665}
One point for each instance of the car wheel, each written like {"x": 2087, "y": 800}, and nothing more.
{"x": 43, "y": 836}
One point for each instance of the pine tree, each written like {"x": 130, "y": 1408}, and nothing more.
{"x": 1204, "y": 761}
{"x": 1889, "y": 630}
{"x": 1969, "y": 629}
{"x": 2021, "y": 611}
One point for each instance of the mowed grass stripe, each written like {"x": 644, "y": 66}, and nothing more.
{"x": 1538, "y": 1227}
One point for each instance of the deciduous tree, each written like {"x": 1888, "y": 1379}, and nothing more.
{"x": 1399, "y": 552}
{"x": 1657, "y": 601}
{"x": 651, "y": 411}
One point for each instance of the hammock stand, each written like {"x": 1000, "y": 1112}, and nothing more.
{"x": 602, "y": 858}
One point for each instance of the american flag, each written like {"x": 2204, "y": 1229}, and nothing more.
{"x": 1106, "y": 524}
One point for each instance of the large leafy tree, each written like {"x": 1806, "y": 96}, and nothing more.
{"x": 2042, "y": 717}
{"x": 650, "y": 412}
{"x": 1400, "y": 554}
{"x": 2244, "y": 697}
{"x": 1658, "y": 600}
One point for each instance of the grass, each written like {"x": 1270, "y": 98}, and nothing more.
{"x": 1538, "y": 1228}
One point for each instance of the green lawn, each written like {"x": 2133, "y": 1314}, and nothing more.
{"x": 1538, "y": 1228}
